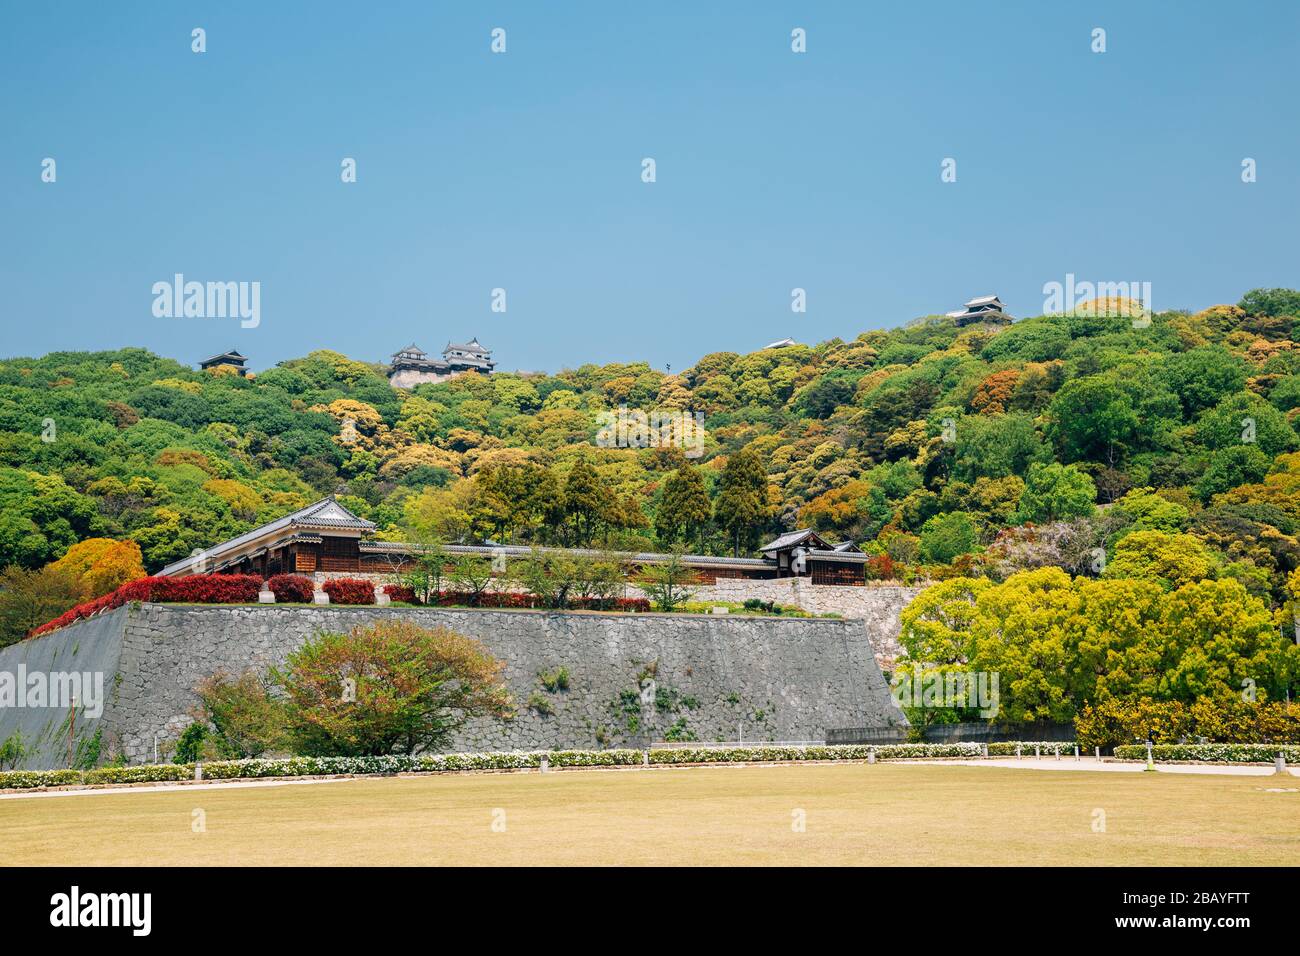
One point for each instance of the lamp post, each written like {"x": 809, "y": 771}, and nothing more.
{"x": 72, "y": 728}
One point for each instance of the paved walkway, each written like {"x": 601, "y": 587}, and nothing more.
{"x": 174, "y": 786}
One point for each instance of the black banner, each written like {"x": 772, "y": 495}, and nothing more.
{"x": 334, "y": 905}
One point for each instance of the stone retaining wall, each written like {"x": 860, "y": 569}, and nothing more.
{"x": 714, "y": 677}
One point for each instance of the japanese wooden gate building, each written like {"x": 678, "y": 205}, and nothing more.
{"x": 326, "y": 537}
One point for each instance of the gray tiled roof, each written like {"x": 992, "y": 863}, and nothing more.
{"x": 326, "y": 513}
{"x": 790, "y": 539}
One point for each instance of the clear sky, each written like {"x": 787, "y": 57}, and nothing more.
{"x": 522, "y": 170}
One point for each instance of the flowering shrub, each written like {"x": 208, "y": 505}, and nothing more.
{"x": 349, "y": 591}
{"x": 195, "y": 589}
{"x": 503, "y": 760}
{"x": 291, "y": 588}
{"x": 829, "y": 752}
{"x": 1047, "y": 748}
{"x": 1216, "y": 753}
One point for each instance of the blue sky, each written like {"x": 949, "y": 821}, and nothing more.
{"x": 522, "y": 171}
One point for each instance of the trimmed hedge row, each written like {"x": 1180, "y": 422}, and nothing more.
{"x": 512, "y": 600}
{"x": 195, "y": 589}
{"x": 500, "y": 760}
{"x": 295, "y": 589}
{"x": 1212, "y": 753}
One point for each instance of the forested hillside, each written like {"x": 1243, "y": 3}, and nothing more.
{"x": 949, "y": 449}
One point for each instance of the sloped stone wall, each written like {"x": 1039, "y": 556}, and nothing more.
{"x": 714, "y": 677}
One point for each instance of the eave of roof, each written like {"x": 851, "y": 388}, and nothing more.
{"x": 307, "y": 517}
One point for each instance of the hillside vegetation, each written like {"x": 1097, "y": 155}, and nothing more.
{"x": 1099, "y": 444}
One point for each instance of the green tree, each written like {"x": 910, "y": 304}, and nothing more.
{"x": 1274, "y": 302}
{"x": 667, "y": 583}
{"x": 1020, "y": 635}
{"x": 600, "y": 579}
{"x": 1246, "y": 420}
{"x": 585, "y": 501}
{"x": 994, "y": 446}
{"x": 29, "y": 599}
{"x": 684, "y": 508}
{"x": 1203, "y": 377}
{"x": 245, "y": 718}
{"x": 936, "y": 625}
{"x": 471, "y": 574}
{"x": 946, "y": 536}
{"x": 547, "y": 576}
{"x": 741, "y": 509}
{"x": 1170, "y": 560}
{"x": 426, "y": 572}
{"x": 1056, "y": 492}
{"x": 1092, "y": 419}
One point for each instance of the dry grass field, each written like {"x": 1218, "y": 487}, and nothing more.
{"x": 853, "y": 814}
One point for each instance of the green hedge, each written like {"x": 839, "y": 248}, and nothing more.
{"x": 512, "y": 760}
{"x": 1213, "y": 753}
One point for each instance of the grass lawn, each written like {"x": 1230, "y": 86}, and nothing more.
{"x": 855, "y": 814}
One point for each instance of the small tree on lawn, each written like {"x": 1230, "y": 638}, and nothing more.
{"x": 389, "y": 687}
{"x": 666, "y": 583}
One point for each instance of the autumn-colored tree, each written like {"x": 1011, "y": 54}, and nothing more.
{"x": 100, "y": 565}
{"x": 840, "y": 509}
{"x": 389, "y": 687}
{"x": 993, "y": 395}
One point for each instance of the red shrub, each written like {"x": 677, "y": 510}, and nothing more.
{"x": 291, "y": 588}
{"x": 880, "y": 567}
{"x": 349, "y": 591}
{"x": 511, "y": 599}
{"x": 195, "y": 589}
{"x": 400, "y": 593}
{"x": 208, "y": 589}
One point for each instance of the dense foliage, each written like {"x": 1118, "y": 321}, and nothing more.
{"x": 952, "y": 448}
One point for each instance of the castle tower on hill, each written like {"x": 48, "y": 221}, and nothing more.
{"x": 411, "y": 366}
